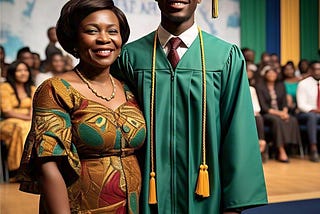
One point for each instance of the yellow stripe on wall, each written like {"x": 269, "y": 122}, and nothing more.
{"x": 290, "y": 31}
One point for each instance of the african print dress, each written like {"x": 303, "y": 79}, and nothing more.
{"x": 92, "y": 145}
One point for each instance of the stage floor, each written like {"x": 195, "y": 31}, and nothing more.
{"x": 298, "y": 180}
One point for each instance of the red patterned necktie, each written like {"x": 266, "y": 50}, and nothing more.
{"x": 173, "y": 55}
{"x": 318, "y": 100}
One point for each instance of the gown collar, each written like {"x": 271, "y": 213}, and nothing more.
{"x": 187, "y": 36}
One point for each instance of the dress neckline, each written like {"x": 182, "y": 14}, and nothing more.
{"x": 96, "y": 102}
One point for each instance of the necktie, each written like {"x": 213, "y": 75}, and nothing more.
{"x": 318, "y": 100}
{"x": 173, "y": 55}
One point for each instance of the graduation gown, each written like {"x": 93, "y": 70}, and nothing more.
{"x": 232, "y": 149}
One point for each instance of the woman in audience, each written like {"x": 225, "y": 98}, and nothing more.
{"x": 55, "y": 66}
{"x": 16, "y": 99}
{"x": 291, "y": 84}
{"x": 273, "y": 101}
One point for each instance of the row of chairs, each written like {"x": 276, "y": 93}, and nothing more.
{"x": 303, "y": 147}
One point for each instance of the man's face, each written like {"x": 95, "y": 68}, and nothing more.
{"x": 178, "y": 11}
{"x": 315, "y": 71}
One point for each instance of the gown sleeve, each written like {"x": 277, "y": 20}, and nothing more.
{"x": 243, "y": 183}
{"x": 50, "y": 136}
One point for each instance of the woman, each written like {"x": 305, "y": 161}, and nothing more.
{"x": 291, "y": 84}
{"x": 16, "y": 101}
{"x": 86, "y": 124}
{"x": 56, "y": 66}
{"x": 272, "y": 97}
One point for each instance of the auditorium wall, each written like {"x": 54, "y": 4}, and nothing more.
{"x": 25, "y": 22}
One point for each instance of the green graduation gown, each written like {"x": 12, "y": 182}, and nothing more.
{"x": 232, "y": 149}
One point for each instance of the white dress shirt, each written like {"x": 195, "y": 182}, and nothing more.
{"x": 307, "y": 94}
{"x": 187, "y": 38}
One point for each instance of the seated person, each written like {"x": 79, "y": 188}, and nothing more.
{"x": 308, "y": 100}
{"x": 16, "y": 101}
{"x": 273, "y": 101}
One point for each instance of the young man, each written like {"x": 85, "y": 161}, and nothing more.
{"x": 308, "y": 101}
{"x": 191, "y": 123}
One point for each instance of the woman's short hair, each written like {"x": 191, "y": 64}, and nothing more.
{"x": 74, "y": 11}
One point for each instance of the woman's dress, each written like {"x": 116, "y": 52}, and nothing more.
{"x": 92, "y": 144}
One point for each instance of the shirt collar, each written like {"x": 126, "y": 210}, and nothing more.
{"x": 187, "y": 36}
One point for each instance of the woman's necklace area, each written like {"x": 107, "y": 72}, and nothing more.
{"x": 94, "y": 91}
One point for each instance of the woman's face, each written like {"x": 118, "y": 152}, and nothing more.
{"x": 271, "y": 75}
{"x": 22, "y": 74}
{"x": 288, "y": 71}
{"x": 99, "y": 39}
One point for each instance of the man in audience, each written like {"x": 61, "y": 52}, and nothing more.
{"x": 52, "y": 46}
{"x": 308, "y": 100}
{"x": 24, "y": 54}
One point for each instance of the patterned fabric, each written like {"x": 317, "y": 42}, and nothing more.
{"x": 92, "y": 145}
{"x": 14, "y": 131}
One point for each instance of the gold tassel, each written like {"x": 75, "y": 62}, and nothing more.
{"x": 214, "y": 8}
{"x": 203, "y": 188}
{"x": 152, "y": 189}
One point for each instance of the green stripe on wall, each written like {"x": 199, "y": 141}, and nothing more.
{"x": 309, "y": 29}
{"x": 253, "y": 26}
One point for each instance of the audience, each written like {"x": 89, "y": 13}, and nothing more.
{"x": 308, "y": 99}
{"x": 15, "y": 102}
{"x": 272, "y": 98}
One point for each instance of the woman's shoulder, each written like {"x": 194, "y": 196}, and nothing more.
{"x": 55, "y": 86}
{"x": 56, "y": 90}
{"x": 5, "y": 87}
{"x": 53, "y": 82}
